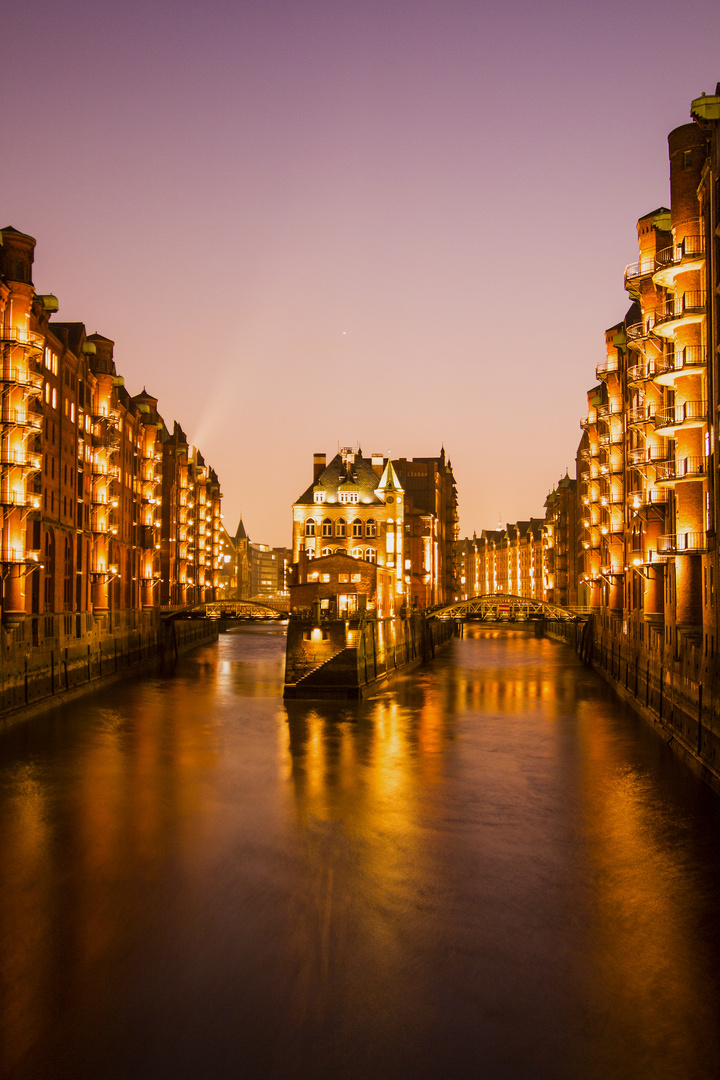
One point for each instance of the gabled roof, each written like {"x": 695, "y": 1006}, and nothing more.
{"x": 357, "y": 475}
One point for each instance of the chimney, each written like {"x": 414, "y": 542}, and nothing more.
{"x": 378, "y": 463}
{"x": 318, "y": 466}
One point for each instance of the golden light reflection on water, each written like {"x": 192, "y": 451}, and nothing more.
{"x": 485, "y": 830}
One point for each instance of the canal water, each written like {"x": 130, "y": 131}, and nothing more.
{"x": 490, "y": 870}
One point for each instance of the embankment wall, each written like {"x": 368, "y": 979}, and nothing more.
{"x": 34, "y": 678}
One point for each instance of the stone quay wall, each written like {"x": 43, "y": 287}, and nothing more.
{"x": 338, "y": 658}
{"x": 35, "y": 677}
{"x": 677, "y": 692}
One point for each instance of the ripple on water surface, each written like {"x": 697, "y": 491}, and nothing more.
{"x": 489, "y": 869}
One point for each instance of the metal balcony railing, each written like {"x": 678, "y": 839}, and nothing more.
{"x": 677, "y": 415}
{"x": 20, "y": 418}
{"x": 18, "y": 499}
{"x": 692, "y": 356}
{"x": 641, "y": 372}
{"x": 641, "y": 456}
{"x": 681, "y": 543}
{"x": 606, "y": 366}
{"x": 32, "y": 380}
{"x": 610, "y": 438}
{"x": 17, "y": 335}
{"x": 643, "y": 414}
{"x": 689, "y": 248}
{"x": 640, "y": 330}
{"x": 649, "y": 497}
{"x": 682, "y": 468}
{"x": 609, "y": 408}
{"x": 22, "y": 459}
{"x": 681, "y": 307}
{"x": 639, "y": 269}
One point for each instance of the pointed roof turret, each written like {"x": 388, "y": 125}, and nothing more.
{"x": 389, "y": 480}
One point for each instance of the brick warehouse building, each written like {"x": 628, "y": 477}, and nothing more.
{"x": 360, "y": 507}
{"x": 88, "y": 540}
{"x": 647, "y": 462}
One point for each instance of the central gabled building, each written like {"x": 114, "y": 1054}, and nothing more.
{"x": 355, "y": 506}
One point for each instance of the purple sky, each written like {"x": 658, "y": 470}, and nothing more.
{"x": 310, "y": 223}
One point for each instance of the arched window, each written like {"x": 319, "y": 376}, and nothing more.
{"x": 340, "y": 527}
{"x": 310, "y": 553}
{"x": 327, "y": 551}
{"x": 357, "y": 553}
{"x": 68, "y": 576}
{"x": 310, "y": 527}
{"x": 357, "y": 527}
{"x": 370, "y": 528}
{"x": 327, "y": 527}
{"x": 49, "y": 570}
{"x": 370, "y": 555}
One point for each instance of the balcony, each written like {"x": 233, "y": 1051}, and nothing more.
{"x": 636, "y": 270}
{"x": 609, "y": 408}
{"x": 688, "y": 255}
{"x": 644, "y": 414}
{"x": 14, "y": 499}
{"x": 105, "y": 440}
{"x": 610, "y": 438}
{"x": 688, "y": 468}
{"x": 588, "y": 422}
{"x": 678, "y": 312}
{"x": 18, "y": 556}
{"x": 20, "y": 459}
{"x": 687, "y": 361}
{"x": 16, "y": 335}
{"x": 641, "y": 500}
{"x": 606, "y": 367}
{"x": 685, "y": 543}
{"x": 611, "y": 468}
{"x": 689, "y": 414}
{"x": 642, "y": 456}
{"x": 637, "y": 333}
{"x": 28, "y": 380}
{"x": 102, "y": 469}
{"x": 639, "y": 373}
{"x": 20, "y": 418}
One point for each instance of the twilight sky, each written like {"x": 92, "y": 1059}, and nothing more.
{"x": 312, "y": 223}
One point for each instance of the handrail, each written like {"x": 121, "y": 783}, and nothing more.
{"x": 674, "y": 255}
{"x": 682, "y": 542}
{"x": 21, "y": 336}
{"x": 691, "y": 302}
{"x": 22, "y": 377}
{"x": 680, "y": 414}
{"x": 682, "y": 467}
{"x": 689, "y": 356}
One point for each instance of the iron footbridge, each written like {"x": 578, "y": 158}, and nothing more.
{"x": 229, "y": 609}
{"x": 503, "y": 607}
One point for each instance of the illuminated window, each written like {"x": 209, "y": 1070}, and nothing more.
{"x": 327, "y": 551}
{"x": 310, "y": 553}
{"x": 343, "y": 577}
{"x": 327, "y": 527}
{"x": 370, "y": 555}
{"x": 357, "y": 527}
{"x": 370, "y": 528}
{"x": 310, "y": 527}
{"x": 340, "y": 527}
{"x": 325, "y": 577}
{"x": 349, "y": 496}
{"x": 319, "y": 496}
{"x": 356, "y": 577}
{"x": 357, "y": 553}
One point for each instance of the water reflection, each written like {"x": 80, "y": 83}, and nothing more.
{"x": 489, "y": 869}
